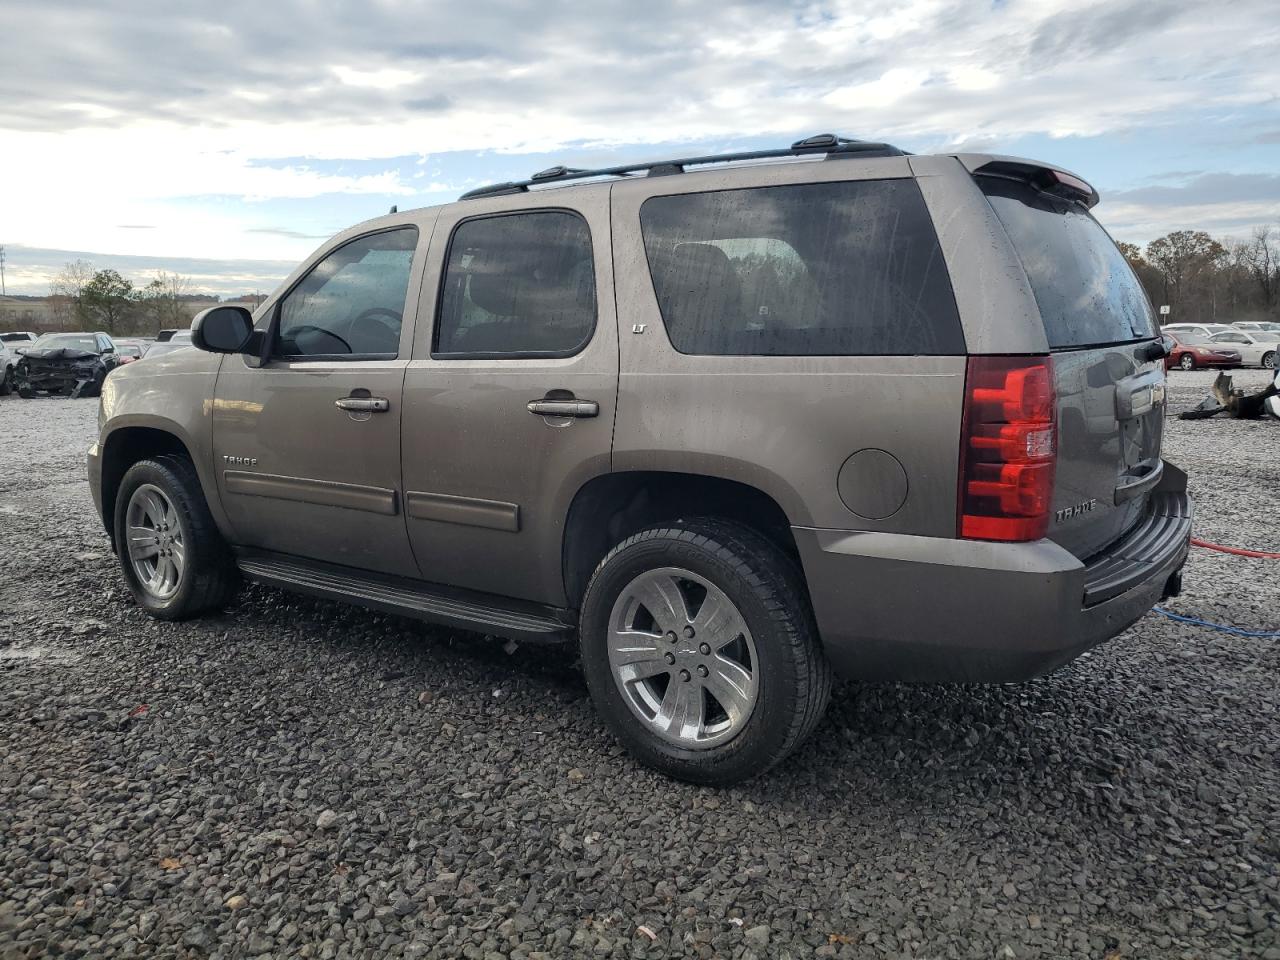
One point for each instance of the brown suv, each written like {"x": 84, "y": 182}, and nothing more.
{"x": 730, "y": 425}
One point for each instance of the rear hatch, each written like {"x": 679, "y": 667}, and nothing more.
{"x": 1100, "y": 326}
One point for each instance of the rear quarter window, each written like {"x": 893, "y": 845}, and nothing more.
{"x": 821, "y": 269}
{"x": 1086, "y": 291}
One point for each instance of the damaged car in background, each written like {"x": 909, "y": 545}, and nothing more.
{"x": 1226, "y": 397}
{"x": 66, "y": 364}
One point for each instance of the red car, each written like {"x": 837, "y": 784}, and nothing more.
{"x": 1190, "y": 351}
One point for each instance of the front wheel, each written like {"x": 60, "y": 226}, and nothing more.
{"x": 172, "y": 556}
{"x": 1269, "y": 360}
{"x": 1188, "y": 362}
{"x": 7, "y": 383}
{"x": 700, "y": 651}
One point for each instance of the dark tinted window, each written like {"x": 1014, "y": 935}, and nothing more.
{"x": 352, "y": 301}
{"x": 520, "y": 284}
{"x": 811, "y": 269}
{"x": 1085, "y": 289}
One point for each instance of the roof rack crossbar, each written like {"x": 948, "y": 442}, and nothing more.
{"x": 827, "y": 143}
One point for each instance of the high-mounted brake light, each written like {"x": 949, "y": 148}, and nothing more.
{"x": 1008, "y": 449}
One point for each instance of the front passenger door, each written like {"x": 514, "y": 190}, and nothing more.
{"x": 307, "y": 445}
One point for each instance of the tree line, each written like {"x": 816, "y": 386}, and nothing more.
{"x": 90, "y": 299}
{"x": 1206, "y": 280}
{"x": 1200, "y": 278}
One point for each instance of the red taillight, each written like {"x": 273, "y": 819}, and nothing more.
{"x": 1008, "y": 448}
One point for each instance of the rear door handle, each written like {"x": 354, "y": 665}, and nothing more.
{"x": 580, "y": 409}
{"x": 363, "y": 404}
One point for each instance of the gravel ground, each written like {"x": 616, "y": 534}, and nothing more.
{"x": 299, "y": 779}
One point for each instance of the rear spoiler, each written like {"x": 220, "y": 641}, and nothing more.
{"x": 1043, "y": 176}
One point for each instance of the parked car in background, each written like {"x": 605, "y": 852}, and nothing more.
{"x": 1191, "y": 350}
{"x": 10, "y": 345}
{"x": 131, "y": 349}
{"x": 177, "y": 340}
{"x": 722, "y": 424}
{"x": 71, "y": 364}
{"x": 1201, "y": 329}
{"x": 1258, "y": 326}
{"x": 1257, "y": 348}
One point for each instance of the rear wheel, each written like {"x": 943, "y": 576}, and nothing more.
{"x": 1269, "y": 360}
{"x": 173, "y": 558}
{"x": 1188, "y": 362}
{"x": 700, "y": 652}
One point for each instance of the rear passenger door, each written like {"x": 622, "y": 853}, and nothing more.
{"x": 509, "y": 397}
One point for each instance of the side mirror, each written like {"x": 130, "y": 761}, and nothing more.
{"x": 222, "y": 329}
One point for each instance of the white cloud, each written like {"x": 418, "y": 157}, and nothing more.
{"x": 387, "y": 78}
{"x": 206, "y": 100}
{"x": 886, "y": 90}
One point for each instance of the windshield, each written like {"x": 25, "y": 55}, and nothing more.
{"x": 14, "y": 337}
{"x": 1086, "y": 291}
{"x": 67, "y": 341}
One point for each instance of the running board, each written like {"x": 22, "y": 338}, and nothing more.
{"x": 467, "y": 610}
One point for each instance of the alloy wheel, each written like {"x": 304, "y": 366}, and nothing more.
{"x": 156, "y": 549}
{"x": 683, "y": 658}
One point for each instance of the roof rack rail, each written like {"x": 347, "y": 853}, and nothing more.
{"x": 827, "y": 143}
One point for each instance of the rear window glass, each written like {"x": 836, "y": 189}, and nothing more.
{"x": 819, "y": 269}
{"x": 1084, "y": 287}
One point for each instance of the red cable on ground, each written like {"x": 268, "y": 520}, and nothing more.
{"x": 1259, "y": 554}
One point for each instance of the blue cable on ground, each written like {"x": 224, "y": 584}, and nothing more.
{"x": 1234, "y": 631}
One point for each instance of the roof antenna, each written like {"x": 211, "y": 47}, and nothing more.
{"x": 394, "y": 209}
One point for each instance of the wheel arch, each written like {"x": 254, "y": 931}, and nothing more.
{"x": 610, "y": 507}
{"x": 137, "y": 439}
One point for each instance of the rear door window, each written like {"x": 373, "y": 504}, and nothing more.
{"x": 818, "y": 269}
{"x": 1086, "y": 291}
{"x": 517, "y": 285}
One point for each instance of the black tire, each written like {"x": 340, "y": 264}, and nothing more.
{"x": 1188, "y": 362}
{"x": 793, "y": 676}
{"x": 1269, "y": 360}
{"x": 210, "y": 578}
{"x": 7, "y": 383}
{"x": 26, "y": 393}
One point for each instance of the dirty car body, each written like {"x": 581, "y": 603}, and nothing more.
{"x": 730, "y": 426}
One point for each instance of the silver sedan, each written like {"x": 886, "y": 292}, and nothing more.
{"x": 1256, "y": 349}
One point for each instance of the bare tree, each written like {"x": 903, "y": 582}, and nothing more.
{"x": 1186, "y": 259}
{"x": 1262, "y": 254}
{"x": 66, "y": 292}
{"x": 162, "y": 301}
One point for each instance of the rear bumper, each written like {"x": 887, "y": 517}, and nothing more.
{"x": 897, "y": 607}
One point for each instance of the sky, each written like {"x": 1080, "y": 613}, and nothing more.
{"x": 226, "y": 141}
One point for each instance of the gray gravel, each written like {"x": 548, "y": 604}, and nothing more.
{"x": 299, "y": 779}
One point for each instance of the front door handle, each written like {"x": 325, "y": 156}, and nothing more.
{"x": 579, "y": 409}
{"x": 363, "y": 404}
